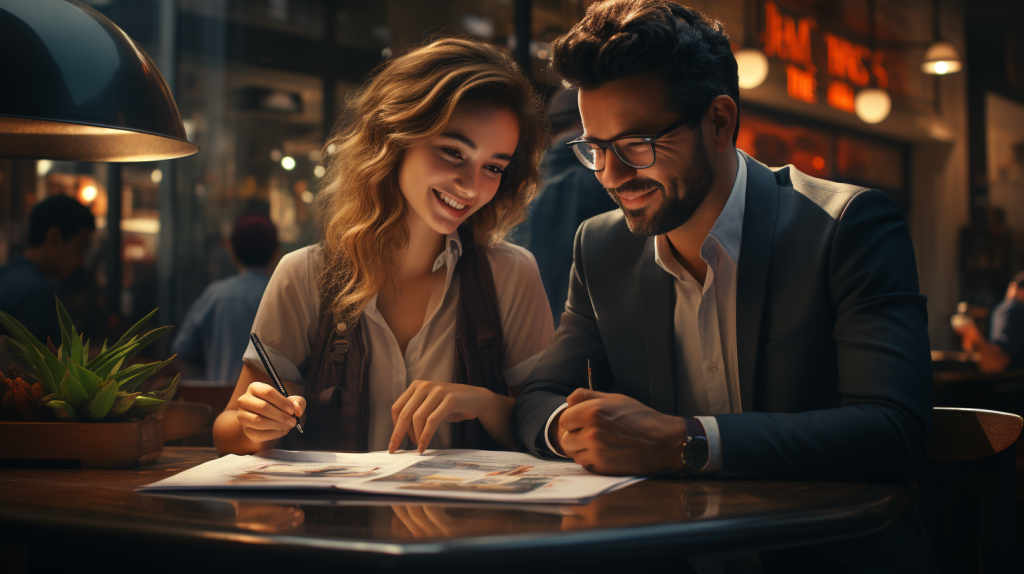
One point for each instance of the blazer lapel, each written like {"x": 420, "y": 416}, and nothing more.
{"x": 755, "y": 259}
{"x": 658, "y": 310}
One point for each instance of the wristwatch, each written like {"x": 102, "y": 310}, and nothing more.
{"x": 696, "y": 453}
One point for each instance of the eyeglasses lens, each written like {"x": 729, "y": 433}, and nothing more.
{"x": 591, "y": 155}
{"x": 637, "y": 153}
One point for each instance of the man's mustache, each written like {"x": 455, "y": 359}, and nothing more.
{"x": 636, "y": 184}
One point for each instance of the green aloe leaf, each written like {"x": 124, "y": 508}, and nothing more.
{"x": 130, "y": 378}
{"x": 116, "y": 368}
{"x": 122, "y": 402}
{"x": 74, "y": 351}
{"x": 64, "y": 410}
{"x": 72, "y": 391}
{"x": 147, "y": 339}
{"x": 19, "y": 354}
{"x": 129, "y": 372}
{"x": 90, "y": 382}
{"x": 51, "y": 397}
{"x": 103, "y": 349}
{"x": 38, "y": 362}
{"x": 135, "y": 328}
{"x": 99, "y": 406}
{"x": 57, "y": 369}
{"x": 66, "y": 332}
{"x": 126, "y": 339}
{"x": 23, "y": 362}
{"x": 12, "y": 342}
{"x": 105, "y": 355}
{"x": 142, "y": 342}
{"x": 85, "y": 349}
{"x": 166, "y": 393}
{"x": 45, "y": 376}
{"x": 19, "y": 332}
{"x": 145, "y": 406}
{"x": 105, "y": 369}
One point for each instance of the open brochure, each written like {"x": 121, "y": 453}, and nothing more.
{"x": 454, "y": 474}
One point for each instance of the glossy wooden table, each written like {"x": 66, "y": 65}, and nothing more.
{"x": 56, "y": 514}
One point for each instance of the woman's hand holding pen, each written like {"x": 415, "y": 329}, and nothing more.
{"x": 426, "y": 404}
{"x": 265, "y": 414}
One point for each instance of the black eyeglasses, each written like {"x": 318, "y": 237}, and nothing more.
{"x": 635, "y": 151}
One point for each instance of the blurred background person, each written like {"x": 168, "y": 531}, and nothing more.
{"x": 215, "y": 332}
{"x": 1004, "y": 350}
{"x": 60, "y": 231}
{"x": 569, "y": 196}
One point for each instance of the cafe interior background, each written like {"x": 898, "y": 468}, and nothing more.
{"x": 835, "y": 88}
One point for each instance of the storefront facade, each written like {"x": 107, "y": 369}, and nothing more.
{"x": 260, "y": 83}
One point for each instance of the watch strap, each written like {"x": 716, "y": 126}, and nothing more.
{"x": 694, "y": 429}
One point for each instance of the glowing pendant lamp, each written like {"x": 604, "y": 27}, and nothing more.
{"x": 752, "y": 67}
{"x": 941, "y": 58}
{"x": 76, "y": 87}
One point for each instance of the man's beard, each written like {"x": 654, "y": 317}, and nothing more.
{"x": 679, "y": 201}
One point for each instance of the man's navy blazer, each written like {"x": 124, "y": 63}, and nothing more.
{"x": 834, "y": 364}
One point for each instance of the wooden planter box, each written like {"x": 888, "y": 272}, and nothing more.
{"x": 93, "y": 445}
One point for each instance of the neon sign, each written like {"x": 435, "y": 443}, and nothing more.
{"x": 793, "y": 40}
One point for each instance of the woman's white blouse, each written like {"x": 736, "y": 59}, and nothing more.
{"x": 287, "y": 320}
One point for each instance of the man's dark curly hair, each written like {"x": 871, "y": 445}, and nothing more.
{"x": 621, "y": 38}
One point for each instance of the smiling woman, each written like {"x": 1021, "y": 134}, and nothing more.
{"x": 448, "y": 178}
{"x": 435, "y": 163}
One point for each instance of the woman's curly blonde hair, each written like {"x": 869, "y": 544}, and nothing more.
{"x": 408, "y": 100}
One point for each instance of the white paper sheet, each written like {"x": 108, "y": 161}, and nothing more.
{"x": 451, "y": 474}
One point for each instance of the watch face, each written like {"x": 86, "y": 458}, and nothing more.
{"x": 697, "y": 454}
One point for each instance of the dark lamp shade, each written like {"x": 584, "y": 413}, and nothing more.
{"x": 76, "y": 87}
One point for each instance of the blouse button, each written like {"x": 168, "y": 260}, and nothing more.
{"x": 341, "y": 327}
{"x": 713, "y": 367}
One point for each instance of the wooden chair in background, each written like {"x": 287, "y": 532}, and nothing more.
{"x": 967, "y": 492}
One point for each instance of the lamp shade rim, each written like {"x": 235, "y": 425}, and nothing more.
{"x": 100, "y": 125}
{"x": 42, "y": 138}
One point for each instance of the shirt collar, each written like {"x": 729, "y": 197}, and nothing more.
{"x": 727, "y": 231}
{"x": 452, "y": 251}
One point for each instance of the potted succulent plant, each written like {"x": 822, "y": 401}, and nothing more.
{"x": 86, "y": 395}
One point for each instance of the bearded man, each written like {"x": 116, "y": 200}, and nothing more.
{"x": 739, "y": 321}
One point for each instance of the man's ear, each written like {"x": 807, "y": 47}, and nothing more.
{"x": 722, "y": 114}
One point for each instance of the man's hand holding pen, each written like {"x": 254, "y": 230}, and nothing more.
{"x": 614, "y": 434}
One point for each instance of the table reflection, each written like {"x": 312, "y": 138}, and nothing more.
{"x": 658, "y": 501}
{"x": 264, "y": 517}
{"x": 439, "y": 521}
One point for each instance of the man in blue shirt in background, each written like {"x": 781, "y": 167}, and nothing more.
{"x": 59, "y": 233}
{"x": 570, "y": 195}
{"x": 1005, "y": 352}
{"x": 216, "y": 328}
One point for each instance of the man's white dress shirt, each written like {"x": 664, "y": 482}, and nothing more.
{"x": 706, "y": 366}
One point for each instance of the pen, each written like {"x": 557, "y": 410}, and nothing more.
{"x": 270, "y": 371}
{"x": 590, "y": 376}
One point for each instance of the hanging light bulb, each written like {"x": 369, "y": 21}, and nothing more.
{"x": 941, "y": 58}
{"x": 752, "y": 65}
{"x": 872, "y": 105}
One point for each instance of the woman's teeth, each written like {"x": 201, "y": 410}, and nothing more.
{"x": 450, "y": 201}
